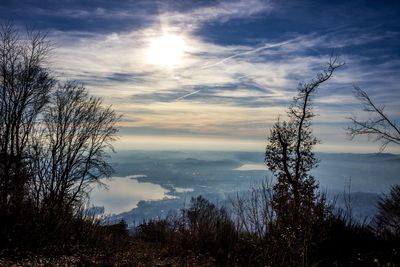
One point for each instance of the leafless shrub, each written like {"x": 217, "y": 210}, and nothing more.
{"x": 387, "y": 221}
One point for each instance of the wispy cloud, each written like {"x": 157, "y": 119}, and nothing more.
{"x": 234, "y": 84}
{"x": 222, "y": 12}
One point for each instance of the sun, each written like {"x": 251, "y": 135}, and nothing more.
{"x": 166, "y": 50}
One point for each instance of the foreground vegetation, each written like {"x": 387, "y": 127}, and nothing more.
{"x": 54, "y": 145}
{"x": 207, "y": 235}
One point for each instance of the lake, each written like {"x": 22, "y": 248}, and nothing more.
{"x": 124, "y": 193}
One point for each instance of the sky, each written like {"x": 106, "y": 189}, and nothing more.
{"x": 215, "y": 75}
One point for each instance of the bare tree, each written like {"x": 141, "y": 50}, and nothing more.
{"x": 71, "y": 148}
{"x": 381, "y": 128}
{"x": 378, "y": 126}
{"x": 289, "y": 156}
{"x": 289, "y": 151}
{"x": 54, "y": 142}
{"x": 25, "y": 85}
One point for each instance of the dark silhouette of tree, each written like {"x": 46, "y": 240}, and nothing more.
{"x": 381, "y": 128}
{"x": 289, "y": 152}
{"x": 54, "y": 142}
{"x": 387, "y": 220}
{"x": 289, "y": 156}
{"x": 378, "y": 125}
{"x": 71, "y": 148}
{"x": 25, "y": 86}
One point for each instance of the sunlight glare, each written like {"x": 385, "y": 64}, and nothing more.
{"x": 166, "y": 50}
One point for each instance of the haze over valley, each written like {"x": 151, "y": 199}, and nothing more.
{"x": 150, "y": 184}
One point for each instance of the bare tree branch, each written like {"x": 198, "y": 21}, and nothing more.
{"x": 378, "y": 126}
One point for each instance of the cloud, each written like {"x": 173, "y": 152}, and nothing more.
{"x": 256, "y": 83}
{"x": 223, "y": 86}
{"x": 222, "y": 13}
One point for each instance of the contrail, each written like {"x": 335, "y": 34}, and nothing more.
{"x": 267, "y": 46}
{"x": 184, "y": 96}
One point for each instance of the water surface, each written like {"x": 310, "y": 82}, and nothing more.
{"x": 124, "y": 193}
